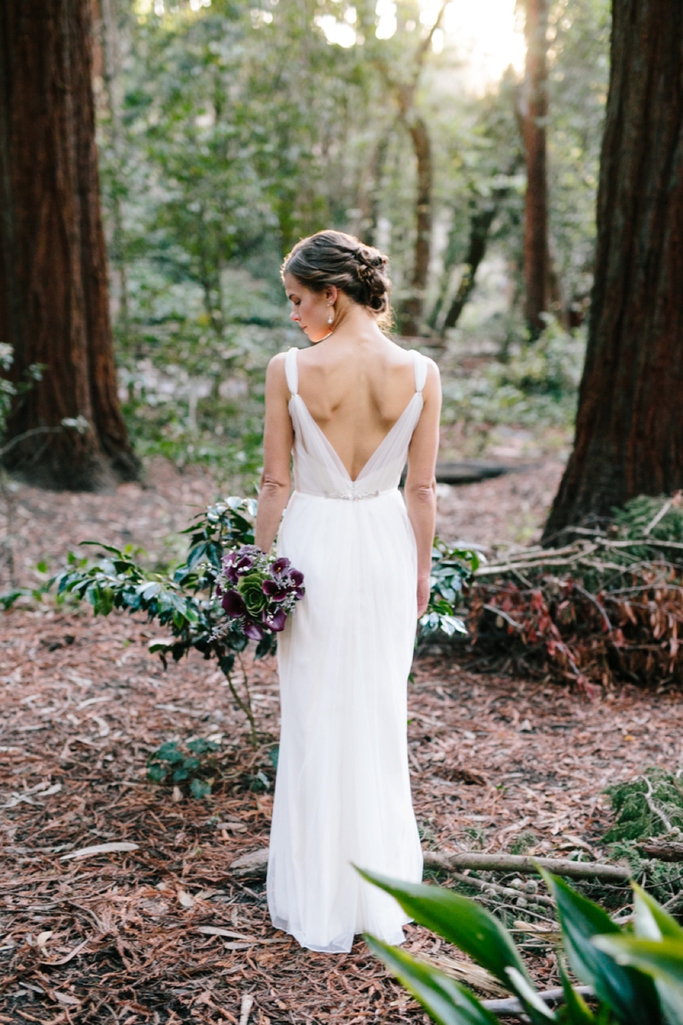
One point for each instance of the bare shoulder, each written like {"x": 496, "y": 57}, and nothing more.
{"x": 433, "y": 372}
{"x": 276, "y": 377}
{"x": 432, "y": 387}
{"x": 276, "y": 367}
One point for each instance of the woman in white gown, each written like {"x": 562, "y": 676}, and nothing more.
{"x": 351, "y": 409}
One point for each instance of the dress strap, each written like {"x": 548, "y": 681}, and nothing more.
{"x": 292, "y": 371}
{"x": 420, "y": 366}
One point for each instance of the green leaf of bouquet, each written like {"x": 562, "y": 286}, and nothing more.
{"x": 460, "y": 921}
{"x": 446, "y": 1002}
{"x": 630, "y": 994}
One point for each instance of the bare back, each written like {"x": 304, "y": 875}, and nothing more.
{"x": 356, "y": 392}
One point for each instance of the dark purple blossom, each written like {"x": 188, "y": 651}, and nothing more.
{"x": 274, "y": 590}
{"x": 276, "y": 622}
{"x": 254, "y": 631}
{"x": 233, "y": 605}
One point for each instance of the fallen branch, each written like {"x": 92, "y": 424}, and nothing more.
{"x": 256, "y": 863}
{"x": 525, "y": 865}
{"x": 662, "y": 849}
{"x": 512, "y": 1006}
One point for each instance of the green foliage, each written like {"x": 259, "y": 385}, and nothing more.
{"x": 173, "y": 764}
{"x": 230, "y": 131}
{"x": 181, "y": 601}
{"x": 10, "y": 391}
{"x": 661, "y": 518}
{"x": 650, "y": 805}
{"x": 537, "y": 383}
{"x": 619, "y": 965}
{"x": 452, "y": 572}
{"x": 629, "y": 994}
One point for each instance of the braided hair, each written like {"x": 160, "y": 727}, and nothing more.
{"x": 334, "y": 258}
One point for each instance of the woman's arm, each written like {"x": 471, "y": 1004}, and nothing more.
{"x": 278, "y": 438}
{"x": 420, "y": 488}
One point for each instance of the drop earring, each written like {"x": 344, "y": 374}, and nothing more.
{"x": 330, "y": 319}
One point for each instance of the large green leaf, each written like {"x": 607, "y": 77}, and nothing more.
{"x": 652, "y": 922}
{"x": 460, "y": 921}
{"x": 443, "y": 998}
{"x": 575, "y": 1011}
{"x": 630, "y": 994}
{"x": 662, "y": 959}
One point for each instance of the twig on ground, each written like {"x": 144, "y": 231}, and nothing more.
{"x": 512, "y": 1006}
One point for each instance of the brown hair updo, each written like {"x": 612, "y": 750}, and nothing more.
{"x": 334, "y": 258}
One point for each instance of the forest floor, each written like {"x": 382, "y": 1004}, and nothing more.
{"x": 122, "y": 937}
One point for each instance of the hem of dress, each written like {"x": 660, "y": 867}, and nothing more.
{"x": 337, "y": 947}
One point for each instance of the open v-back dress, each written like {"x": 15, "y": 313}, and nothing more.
{"x": 342, "y": 794}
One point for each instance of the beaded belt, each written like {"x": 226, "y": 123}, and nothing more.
{"x": 349, "y": 498}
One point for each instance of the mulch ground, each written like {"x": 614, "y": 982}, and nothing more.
{"x": 121, "y": 937}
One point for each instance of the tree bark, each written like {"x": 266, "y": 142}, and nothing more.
{"x": 54, "y": 306}
{"x": 480, "y": 225}
{"x": 629, "y": 429}
{"x": 422, "y": 147}
{"x": 536, "y": 251}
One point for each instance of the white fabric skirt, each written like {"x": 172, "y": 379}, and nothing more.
{"x": 342, "y": 794}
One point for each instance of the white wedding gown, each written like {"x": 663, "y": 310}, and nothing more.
{"x": 342, "y": 793}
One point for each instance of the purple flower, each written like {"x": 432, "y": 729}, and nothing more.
{"x": 237, "y": 564}
{"x": 279, "y": 566}
{"x": 253, "y": 630}
{"x": 233, "y": 605}
{"x": 297, "y": 577}
{"x": 276, "y": 622}
{"x": 274, "y": 591}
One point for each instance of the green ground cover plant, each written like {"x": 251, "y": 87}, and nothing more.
{"x": 635, "y": 975}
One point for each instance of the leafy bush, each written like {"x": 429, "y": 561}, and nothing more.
{"x": 537, "y": 383}
{"x": 171, "y": 764}
{"x": 452, "y": 573}
{"x": 181, "y": 601}
{"x": 635, "y": 976}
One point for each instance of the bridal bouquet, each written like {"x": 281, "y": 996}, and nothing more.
{"x": 258, "y": 590}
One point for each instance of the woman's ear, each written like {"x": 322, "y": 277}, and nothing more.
{"x": 332, "y": 294}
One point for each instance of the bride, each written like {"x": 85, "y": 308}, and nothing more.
{"x": 351, "y": 409}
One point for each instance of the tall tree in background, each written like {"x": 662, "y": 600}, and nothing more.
{"x": 53, "y": 274}
{"x": 629, "y": 430}
{"x": 536, "y": 251}
{"x": 402, "y": 78}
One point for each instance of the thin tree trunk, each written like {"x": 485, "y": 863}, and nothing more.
{"x": 629, "y": 430}
{"x": 536, "y": 252}
{"x": 480, "y": 226}
{"x": 54, "y": 306}
{"x": 422, "y": 147}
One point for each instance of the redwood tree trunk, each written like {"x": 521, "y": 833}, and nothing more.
{"x": 414, "y": 305}
{"x": 629, "y": 430}
{"x": 536, "y": 252}
{"x": 53, "y": 274}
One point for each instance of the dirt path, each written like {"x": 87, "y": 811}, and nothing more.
{"x": 117, "y": 937}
